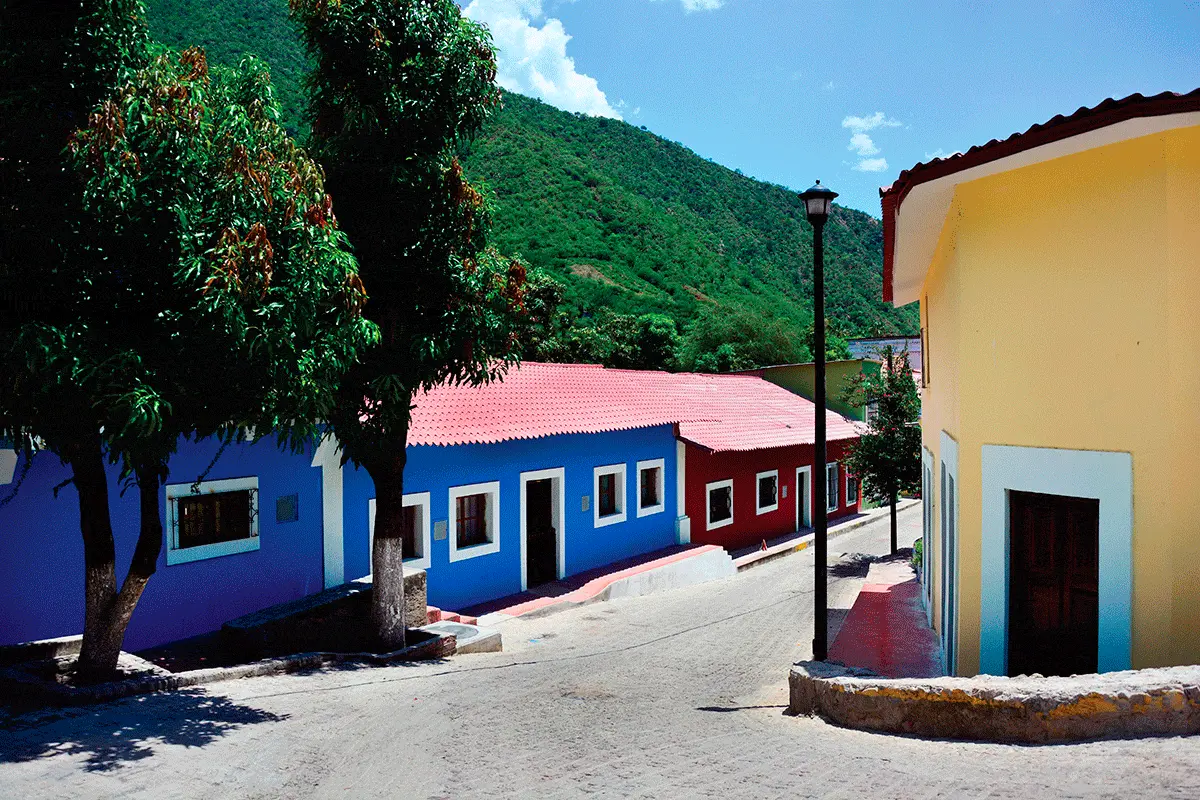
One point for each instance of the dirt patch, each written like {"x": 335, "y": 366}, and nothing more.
{"x": 590, "y": 272}
{"x": 699, "y": 295}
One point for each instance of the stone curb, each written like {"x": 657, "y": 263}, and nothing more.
{"x": 760, "y": 557}
{"x": 1029, "y": 709}
{"x": 24, "y": 688}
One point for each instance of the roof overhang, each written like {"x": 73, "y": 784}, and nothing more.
{"x": 916, "y": 205}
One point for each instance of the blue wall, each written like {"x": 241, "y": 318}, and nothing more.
{"x": 435, "y": 470}
{"x": 41, "y": 550}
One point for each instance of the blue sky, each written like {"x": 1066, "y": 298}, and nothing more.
{"x": 850, "y": 92}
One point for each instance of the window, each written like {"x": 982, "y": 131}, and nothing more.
{"x": 720, "y": 504}
{"x": 872, "y": 413}
{"x": 609, "y": 489}
{"x": 925, "y": 343}
{"x": 474, "y": 520}
{"x": 768, "y": 491}
{"x": 650, "y": 487}
{"x": 831, "y": 486}
{"x": 471, "y": 526}
{"x": 219, "y": 519}
{"x": 851, "y": 490}
{"x": 414, "y": 529}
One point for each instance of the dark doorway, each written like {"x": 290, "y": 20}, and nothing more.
{"x": 1053, "y": 614}
{"x": 541, "y": 541}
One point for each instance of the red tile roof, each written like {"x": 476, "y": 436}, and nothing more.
{"x": 717, "y": 412}
{"x": 1108, "y": 112}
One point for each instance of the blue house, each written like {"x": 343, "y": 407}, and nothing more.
{"x": 556, "y": 470}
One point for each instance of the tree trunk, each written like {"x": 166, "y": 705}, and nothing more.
{"x": 99, "y": 554}
{"x": 106, "y": 611}
{"x": 387, "y": 553}
{"x": 894, "y": 543}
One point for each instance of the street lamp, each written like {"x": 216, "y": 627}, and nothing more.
{"x": 817, "y": 201}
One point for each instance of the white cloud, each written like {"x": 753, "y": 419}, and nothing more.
{"x": 701, "y": 5}
{"x": 871, "y": 165}
{"x": 533, "y": 60}
{"x": 861, "y": 144}
{"x": 864, "y": 124}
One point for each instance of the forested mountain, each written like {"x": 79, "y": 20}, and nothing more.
{"x": 624, "y": 219}
{"x": 637, "y": 223}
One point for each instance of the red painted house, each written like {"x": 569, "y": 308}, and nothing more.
{"x": 748, "y": 469}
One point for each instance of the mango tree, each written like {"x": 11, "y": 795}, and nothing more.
{"x": 190, "y": 281}
{"x": 398, "y": 87}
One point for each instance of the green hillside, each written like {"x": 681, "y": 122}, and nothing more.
{"x": 626, "y": 220}
{"x": 637, "y": 223}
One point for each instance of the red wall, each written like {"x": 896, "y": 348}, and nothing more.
{"x": 750, "y": 527}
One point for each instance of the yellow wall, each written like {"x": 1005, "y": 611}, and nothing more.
{"x": 1063, "y": 310}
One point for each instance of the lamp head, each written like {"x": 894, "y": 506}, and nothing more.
{"x": 817, "y": 202}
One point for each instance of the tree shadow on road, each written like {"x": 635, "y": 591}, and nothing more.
{"x": 114, "y": 734}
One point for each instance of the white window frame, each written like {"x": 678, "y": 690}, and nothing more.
{"x": 832, "y": 501}
{"x": 851, "y": 481}
{"x": 421, "y": 500}
{"x": 771, "y": 473}
{"x": 622, "y": 505}
{"x": 660, "y": 465}
{"x": 492, "y": 490}
{"x": 708, "y": 490}
{"x": 177, "y": 555}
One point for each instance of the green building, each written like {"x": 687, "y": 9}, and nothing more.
{"x": 802, "y": 379}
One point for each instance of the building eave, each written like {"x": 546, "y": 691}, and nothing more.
{"x": 915, "y": 206}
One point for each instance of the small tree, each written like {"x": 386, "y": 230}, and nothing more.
{"x": 887, "y": 458}
{"x": 196, "y": 286}
{"x": 398, "y": 87}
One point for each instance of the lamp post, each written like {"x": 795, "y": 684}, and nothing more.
{"x": 817, "y": 202}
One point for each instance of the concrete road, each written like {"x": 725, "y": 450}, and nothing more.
{"x": 678, "y": 695}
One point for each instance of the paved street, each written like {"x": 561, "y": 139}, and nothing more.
{"x": 676, "y": 695}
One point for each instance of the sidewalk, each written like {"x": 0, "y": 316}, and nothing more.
{"x": 679, "y": 565}
{"x": 886, "y": 631}
{"x": 789, "y": 543}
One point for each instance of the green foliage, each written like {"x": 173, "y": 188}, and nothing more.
{"x": 648, "y": 341}
{"x": 180, "y": 275}
{"x": 398, "y": 87}
{"x": 918, "y": 553}
{"x": 727, "y": 339}
{"x": 836, "y": 348}
{"x": 236, "y": 302}
{"x": 887, "y": 458}
{"x": 230, "y": 30}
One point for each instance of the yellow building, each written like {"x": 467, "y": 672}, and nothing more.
{"x": 1058, "y": 273}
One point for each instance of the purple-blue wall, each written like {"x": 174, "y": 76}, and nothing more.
{"x": 41, "y": 549}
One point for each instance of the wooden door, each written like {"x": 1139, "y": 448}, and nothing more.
{"x": 541, "y": 542}
{"x": 1054, "y": 567}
